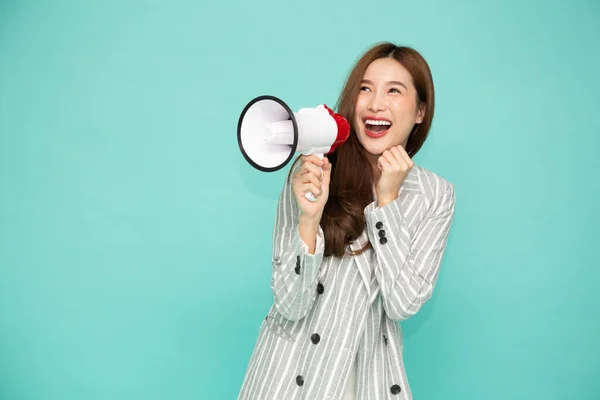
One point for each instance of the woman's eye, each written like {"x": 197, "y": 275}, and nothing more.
{"x": 363, "y": 88}
{"x": 394, "y": 90}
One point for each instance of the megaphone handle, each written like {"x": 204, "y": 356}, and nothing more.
{"x": 309, "y": 195}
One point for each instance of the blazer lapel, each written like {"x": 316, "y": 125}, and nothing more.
{"x": 363, "y": 264}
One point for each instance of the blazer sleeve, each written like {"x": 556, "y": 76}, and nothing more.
{"x": 407, "y": 269}
{"x": 295, "y": 271}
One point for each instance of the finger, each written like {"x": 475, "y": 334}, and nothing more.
{"x": 313, "y": 159}
{"x": 389, "y": 157}
{"x": 402, "y": 152}
{"x": 383, "y": 164}
{"x": 405, "y": 156}
{"x": 311, "y": 187}
{"x": 399, "y": 160}
{"x": 309, "y": 167}
{"x": 310, "y": 178}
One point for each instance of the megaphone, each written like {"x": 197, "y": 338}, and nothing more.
{"x": 269, "y": 133}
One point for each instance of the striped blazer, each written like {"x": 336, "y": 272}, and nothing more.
{"x": 329, "y": 313}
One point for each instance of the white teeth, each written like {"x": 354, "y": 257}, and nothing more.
{"x": 377, "y": 122}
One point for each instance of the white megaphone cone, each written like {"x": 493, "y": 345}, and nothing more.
{"x": 269, "y": 133}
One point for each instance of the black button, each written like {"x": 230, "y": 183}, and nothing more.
{"x": 320, "y": 288}
{"x": 297, "y": 269}
{"x": 381, "y": 233}
{"x": 298, "y": 260}
{"x": 383, "y": 240}
{"x": 396, "y": 389}
{"x": 315, "y": 338}
{"x": 300, "y": 380}
{"x": 379, "y": 225}
{"x": 385, "y": 338}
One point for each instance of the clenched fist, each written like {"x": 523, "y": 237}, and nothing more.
{"x": 394, "y": 165}
{"x": 310, "y": 178}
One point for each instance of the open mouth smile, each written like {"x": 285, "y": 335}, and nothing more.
{"x": 376, "y": 127}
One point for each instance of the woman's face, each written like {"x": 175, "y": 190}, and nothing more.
{"x": 386, "y": 107}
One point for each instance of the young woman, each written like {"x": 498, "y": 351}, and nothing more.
{"x": 366, "y": 255}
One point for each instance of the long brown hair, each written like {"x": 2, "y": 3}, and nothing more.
{"x": 350, "y": 189}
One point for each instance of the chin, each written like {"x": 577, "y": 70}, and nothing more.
{"x": 376, "y": 146}
{"x": 375, "y": 150}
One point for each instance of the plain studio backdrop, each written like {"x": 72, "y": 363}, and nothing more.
{"x": 135, "y": 241}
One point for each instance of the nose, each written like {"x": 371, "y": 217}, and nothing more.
{"x": 376, "y": 103}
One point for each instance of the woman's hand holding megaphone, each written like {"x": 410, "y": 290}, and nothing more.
{"x": 312, "y": 176}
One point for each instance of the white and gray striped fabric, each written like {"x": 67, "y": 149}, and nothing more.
{"x": 330, "y": 312}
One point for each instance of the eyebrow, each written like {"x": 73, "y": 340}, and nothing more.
{"x": 389, "y": 82}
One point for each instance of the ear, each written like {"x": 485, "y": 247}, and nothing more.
{"x": 420, "y": 113}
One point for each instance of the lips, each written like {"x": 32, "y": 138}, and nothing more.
{"x": 376, "y": 127}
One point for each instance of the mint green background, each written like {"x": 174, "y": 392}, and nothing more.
{"x": 135, "y": 241}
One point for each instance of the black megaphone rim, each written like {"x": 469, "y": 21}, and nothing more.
{"x": 239, "y": 133}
